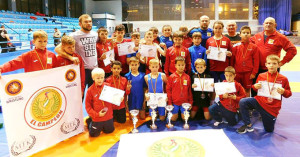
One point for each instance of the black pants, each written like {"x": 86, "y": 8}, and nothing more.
{"x": 88, "y": 77}
{"x": 56, "y": 42}
{"x": 95, "y": 128}
{"x": 4, "y": 47}
{"x": 120, "y": 115}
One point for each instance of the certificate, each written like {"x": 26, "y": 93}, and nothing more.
{"x": 225, "y": 87}
{"x": 157, "y": 98}
{"x": 265, "y": 92}
{"x": 216, "y": 54}
{"x": 110, "y": 56}
{"x": 206, "y": 82}
{"x": 112, "y": 95}
{"x": 126, "y": 48}
{"x": 148, "y": 50}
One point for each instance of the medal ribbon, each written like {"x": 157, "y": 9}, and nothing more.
{"x": 273, "y": 83}
{"x": 202, "y": 87}
{"x": 115, "y": 82}
{"x": 154, "y": 89}
{"x": 41, "y": 60}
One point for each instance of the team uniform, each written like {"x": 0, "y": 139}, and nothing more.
{"x": 169, "y": 43}
{"x": 171, "y": 55}
{"x": 245, "y": 59}
{"x": 142, "y": 67}
{"x": 227, "y": 108}
{"x": 187, "y": 42}
{"x": 196, "y": 53}
{"x": 93, "y": 106}
{"x": 206, "y": 34}
{"x": 122, "y": 59}
{"x": 101, "y": 49}
{"x": 179, "y": 91}
{"x": 136, "y": 96}
{"x": 63, "y": 62}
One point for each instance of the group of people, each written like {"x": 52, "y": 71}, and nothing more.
{"x": 181, "y": 57}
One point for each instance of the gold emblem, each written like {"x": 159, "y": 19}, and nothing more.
{"x": 14, "y": 87}
{"x": 70, "y": 75}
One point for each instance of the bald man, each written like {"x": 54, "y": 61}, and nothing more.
{"x": 203, "y": 29}
{"x": 232, "y": 34}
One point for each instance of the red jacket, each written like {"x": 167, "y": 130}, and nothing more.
{"x": 230, "y": 104}
{"x": 120, "y": 83}
{"x": 273, "y": 107}
{"x": 102, "y": 48}
{"x": 250, "y": 61}
{"x": 63, "y": 62}
{"x": 179, "y": 89}
{"x": 273, "y": 45}
{"x": 94, "y": 105}
{"x": 122, "y": 59}
{"x": 187, "y": 42}
{"x": 218, "y": 65}
{"x": 31, "y": 61}
{"x": 171, "y": 55}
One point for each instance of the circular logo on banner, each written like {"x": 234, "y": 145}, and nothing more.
{"x": 176, "y": 147}
{"x": 70, "y": 75}
{"x": 14, "y": 87}
{"x": 45, "y": 108}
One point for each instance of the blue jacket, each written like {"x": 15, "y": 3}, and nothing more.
{"x": 197, "y": 52}
{"x": 205, "y": 34}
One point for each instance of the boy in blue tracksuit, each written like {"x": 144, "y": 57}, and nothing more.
{"x": 197, "y": 51}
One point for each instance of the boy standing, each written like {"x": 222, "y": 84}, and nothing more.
{"x": 179, "y": 88}
{"x": 267, "y": 107}
{"x": 229, "y": 102}
{"x": 197, "y": 51}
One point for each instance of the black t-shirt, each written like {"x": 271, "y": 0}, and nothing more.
{"x": 198, "y": 101}
{"x": 2, "y": 35}
{"x": 234, "y": 39}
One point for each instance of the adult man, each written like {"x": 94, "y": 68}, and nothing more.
{"x": 56, "y": 36}
{"x": 4, "y": 38}
{"x": 85, "y": 46}
{"x": 203, "y": 29}
{"x": 232, "y": 35}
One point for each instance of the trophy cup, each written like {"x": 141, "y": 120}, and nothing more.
{"x": 134, "y": 113}
{"x": 169, "y": 108}
{"x": 153, "y": 116}
{"x": 186, "y": 106}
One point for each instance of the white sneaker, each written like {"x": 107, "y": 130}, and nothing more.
{"x": 217, "y": 123}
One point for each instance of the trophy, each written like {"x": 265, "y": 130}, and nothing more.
{"x": 134, "y": 113}
{"x": 169, "y": 108}
{"x": 186, "y": 114}
{"x": 153, "y": 116}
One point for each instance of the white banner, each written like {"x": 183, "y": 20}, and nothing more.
{"x": 41, "y": 108}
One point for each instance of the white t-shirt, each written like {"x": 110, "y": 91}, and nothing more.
{"x": 85, "y": 46}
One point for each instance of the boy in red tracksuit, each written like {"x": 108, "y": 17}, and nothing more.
{"x": 187, "y": 41}
{"x": 100, "y": 111}
{"x": 68, "y": 45}
{"x": 228, "y": 105}
{"x": 173, "y": 52}
{"x": 268, "y": 107}
{"x": 38, "y": 59}
{"x": 245, "y": 60}
{"x": 102, "y": 46}
{"x": 179, "y": 88}
{"x": 117, "y": 81}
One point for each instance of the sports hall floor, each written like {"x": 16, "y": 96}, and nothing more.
{"x": 285, "y": 141}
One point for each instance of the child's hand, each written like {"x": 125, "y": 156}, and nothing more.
{"x": 102, "y": 112}
{"x": 103, "y": 56}
{"x": 166, "y": 99}
{"x": 138, "y": 55}
{"x": 147, "y": 97}
{"x": 194, "y": 85}
{"x": 225, "y": 96}
{"x": 207, "y": 51}
{"x": 129, "y": 85}
{"x": 280, "y": 90}
{"x": 232, "y": 97}
{"x": 252, "y": 76}
{"x": 228, "y": 53}
{"x": 257, "y": 86}
{"x": 75, "y": 60}
{"x": 213, "y": 85}
{"x": 162, "y": 45}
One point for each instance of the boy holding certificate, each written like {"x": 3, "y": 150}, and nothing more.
{"x": 135, "y": 37}
{"x": 268, "y": 107}
{"x": 100, "y": 111}
{"x": 228, "y": 105}
{"x": 179, "y": 88}
{"x": 119, "y": 82}
{"x": 201, "y": 98}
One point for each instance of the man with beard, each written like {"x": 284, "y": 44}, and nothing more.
{"x": 203, "y": 29}
{"x": 85, "y": 46}
{"x": 232, "y": 35}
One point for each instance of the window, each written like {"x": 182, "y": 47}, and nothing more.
{"x": 31, "y": 6}
{"x": 57, "y": 7}
{"x": 233, "y": 9}
{"x": 3, "y": 4}
{"x": 194, "y": 9}
{"x": 75, "y": 8}
{"x": 255, "y": 9}
{"x": 166, "y": 10}
{"x": 135, "y": 10}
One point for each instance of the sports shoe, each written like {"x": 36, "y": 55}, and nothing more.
{"x": 245, "y": 128}
{"x": 88, "y": 122}
{"x": 217, "y": 123}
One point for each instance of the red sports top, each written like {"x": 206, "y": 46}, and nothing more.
{"x": 187, "y": 42}
{"x": 102, "y": 48}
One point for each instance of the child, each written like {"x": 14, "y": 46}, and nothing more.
{"x": 136, "y": 96}
{"x": 156, "y": 39}
{"x": 218, "y": 40}
{"x": 38, "y": 59}
{"x": 103, "y": 45}
{"x": 100, "y": 111}
{"x": 149, "y": 41}
{"x": 201, "y": 99}
{"x": 245, "y": 59}
{"x": 228, "y": 105}
{"x": 165, "y": 40}
{"x": 68, "y": 46}
{"x": 120, "y": 32}
{"x": 175, "y": 51}
{"x": 187, "y": 41}
{"x": 119, "y": 82}
{"x": 156, "y": 81}
{"x": 267, "y": 107}
{"x": 135, "y": 37}
{"x": 179, "y": 88}
{"x": 197, "y": 51}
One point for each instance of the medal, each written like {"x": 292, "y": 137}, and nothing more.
{"x": 270, "y": 99}
{"x": 202, "y": 84}
{"x": 219, "y": 46}
{"x": 202, "y": 96}
{"x": 244, "y": 55}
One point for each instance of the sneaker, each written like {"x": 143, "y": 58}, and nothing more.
{"x": 245, "y": 128}
{"x": 217, "y": 123}
{"x": 88, "y": 122}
